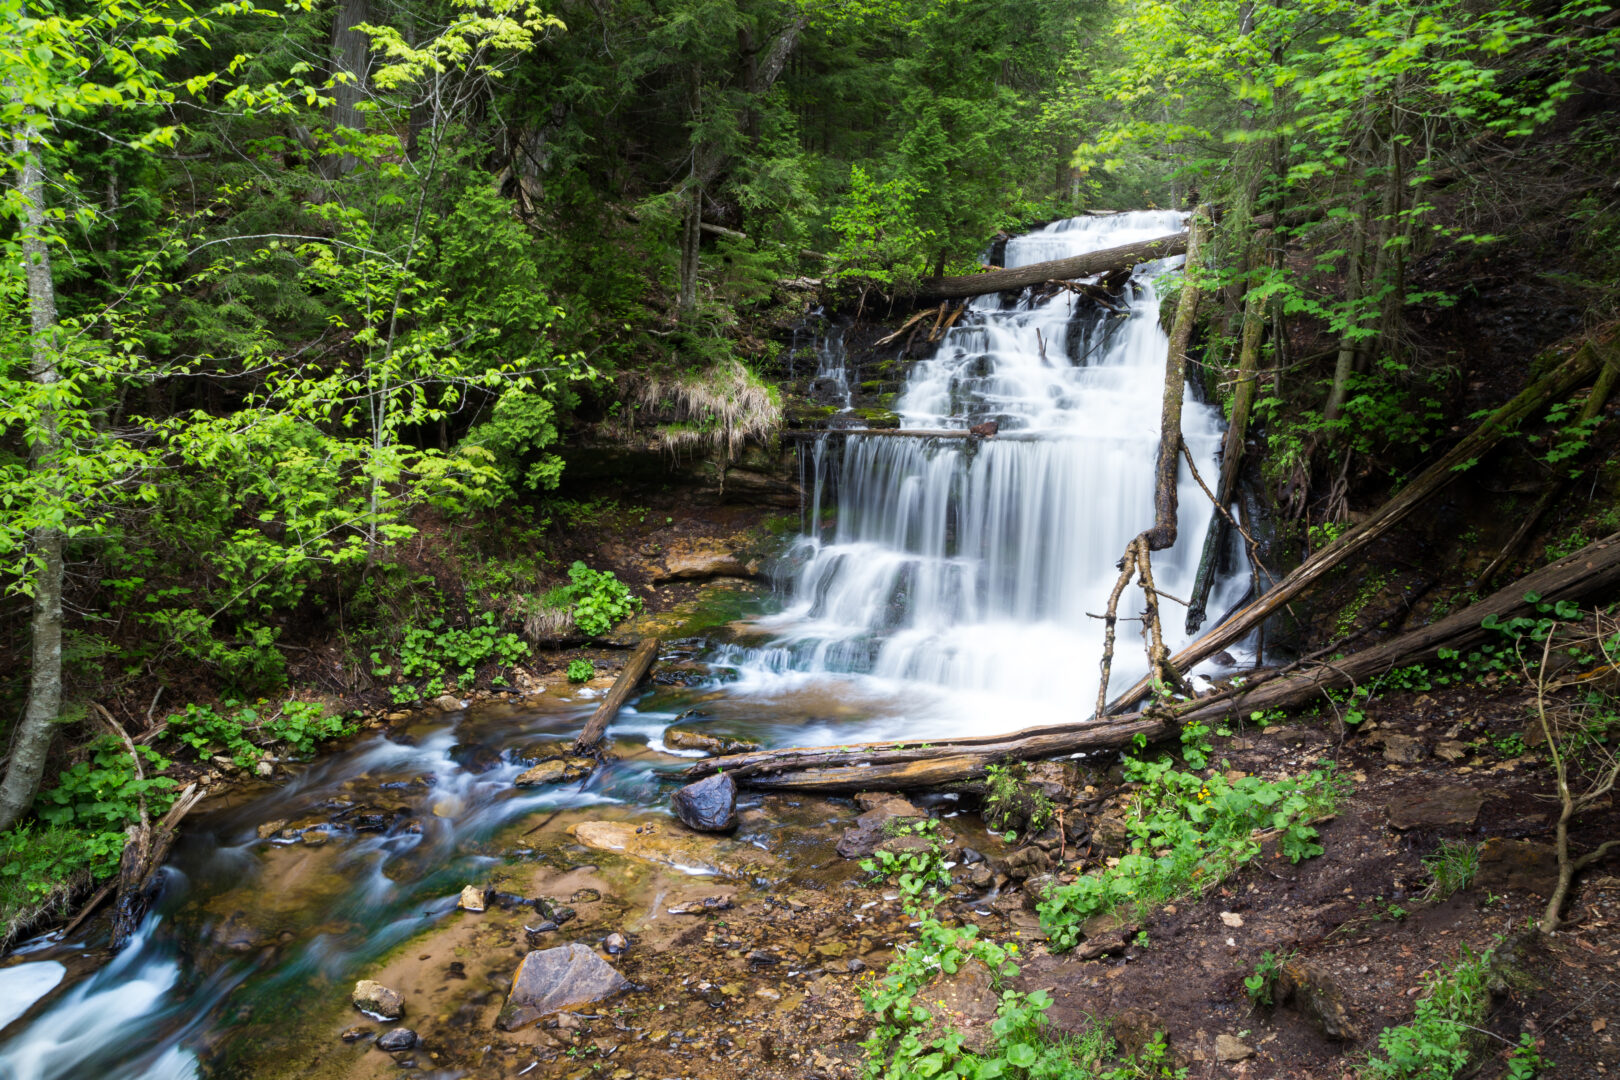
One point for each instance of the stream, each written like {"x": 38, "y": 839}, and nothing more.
{"x": 949, "y": 594}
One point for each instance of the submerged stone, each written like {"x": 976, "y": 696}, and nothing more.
{"x": 549, "y": 980}
{"x": 400, "y": 1038}
{"x": 709, "y": 805}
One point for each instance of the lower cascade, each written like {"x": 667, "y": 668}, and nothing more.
{"x": 955, "y": 586}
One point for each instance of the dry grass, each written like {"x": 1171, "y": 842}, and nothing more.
{"x": 719, "y": 410}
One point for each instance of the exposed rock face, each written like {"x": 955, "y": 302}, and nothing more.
{"x": 710, "y": 805}
{"x": 1448, "y": 804}
{"x": 1315, "y": 996}
{"x": 1516, "y": 866}
{"x": 556, "y": 771}
{"x": 552, "y": 979}
{"x": 375, "y": 999}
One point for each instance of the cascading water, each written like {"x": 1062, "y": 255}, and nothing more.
{"x": 953, "y": 590}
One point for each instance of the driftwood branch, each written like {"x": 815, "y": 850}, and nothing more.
{"x": 635, "y": 669}
{"x": 1078, "y": 266}
{"x": 891, "y": 766}
{"x": 1550, "y": 386}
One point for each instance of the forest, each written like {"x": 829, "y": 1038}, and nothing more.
{"x": 367, "y": 358}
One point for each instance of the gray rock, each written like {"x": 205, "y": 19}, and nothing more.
{"x": 615, "y": 944}
{"x": 375, "y": 999}
{"x": 1448, "y": 804}
{"x": 872, "y": 828}
{"x": 549, "y": 980}
{"x": 400, "y": 1038}
{"x": 709, "y": 805}
{"x": 447, "y": 703}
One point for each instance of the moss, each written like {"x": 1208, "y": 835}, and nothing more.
{"x": 879, "y": 418}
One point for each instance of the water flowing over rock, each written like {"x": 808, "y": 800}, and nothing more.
{"x": 969, "y": 564}
{"x": 549, "y": 980}
{"x": 709, "y": 805}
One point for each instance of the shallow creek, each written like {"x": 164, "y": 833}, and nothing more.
{"x": 949, "y": 596}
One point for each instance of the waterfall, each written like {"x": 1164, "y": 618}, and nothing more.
{"x": 955, "y": 587}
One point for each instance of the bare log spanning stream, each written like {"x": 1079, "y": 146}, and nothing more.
{"x": 890, "y": 766}
{"x": 1123, "y": 257}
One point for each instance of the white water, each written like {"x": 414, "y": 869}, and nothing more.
{"x": 953, "y": 590}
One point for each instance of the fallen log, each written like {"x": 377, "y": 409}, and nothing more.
{"x": 635, "y": 669}
{"x": 1550, "y": 386}
{"x": 895, "y": 766}
{"x": 1125, "y": 256}
{"x": 144, "y": 853}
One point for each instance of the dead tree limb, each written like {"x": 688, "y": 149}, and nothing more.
{"x": 1550, "y": 386}
{"x": 143, "y": 857}
{"x": 635, "y": 669}
{"x": 891, "y": 766}
{"x": 1090, "y": 264}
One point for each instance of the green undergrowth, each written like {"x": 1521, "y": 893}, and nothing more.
{"x": 1187, "y": 833}
{"x": 911, "y": 1042}
{"x": 1444, "y": 1034}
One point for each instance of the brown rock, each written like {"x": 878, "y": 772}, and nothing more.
{"x": 877, "y": 825}
{"x": 555, "y": 771}
{"x": 677, "y": 738}
{"x": 1230, "y": 1048}
{"x": 1029, "y": 861}
{"x": 1404, "y": 749}
{"x": 447, "y": 703}
{"x": 472, "y": 899}
{"x": 270, "y": 828}
{"x": 549, "y": 980}
{"x": 1516, "y": 866}
{"x": 1109, "y": 833}
{"x": 375, "y": 999}
{"x": 1314, "y": 995}
{"x": 1451, "y": 750}
{"x": 701, "y": 565}
{"x": 1448, "y": 804}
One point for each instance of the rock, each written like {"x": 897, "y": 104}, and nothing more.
{"x": 270, "y": 828}
{"x": 556, "y": 771}
{"x": 1516, "y": 866}
{"x": 355, "y": 1034}
{"x": 979, "y": 876}
{"x": 400, "y": 1038}
{"x": 1060, "y": 781}
{"x": 447, "y": 703}
{"x": 1230, "y": 1048}
{"x": 710, "y": 805}
{"x": 1451, "y": 750}
{"x": 1135, "y": 1028}
{"x": 1448, "y": 804}
{"x": 1028, "y": 862}
{"x": 905, "y": 845}
{"x": 701, "y": 565}
{"x": 472, "y": 899}
{"x": 1314, "y": 995}
{"x": 1231, "y": 919}
{"x": 674, "y": 845}
{"x": 1110, "y": 833}
{"x": 375, "y": 999}
{"x": 1035, "y": 887}
{"x": 964, "y": 1002}
{"x": 877, "y": 825}
{"x": 678, "y": 738}
{"x": 549, "y": 980}
{"x": 615, "y": 944}
{"x": 1403, "y": 749}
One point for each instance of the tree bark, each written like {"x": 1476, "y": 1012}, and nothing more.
{"x": 933, "y": 290}
{"x": 1163, "y": 533}
{"x": 32, "y": 743}
{"x": 898, "y": 766}
{"x": 635, "y": 669}
{"x": 1552, "y": 385}
{"x": 350, "y": 57}
{"x": 1349, "y": 343}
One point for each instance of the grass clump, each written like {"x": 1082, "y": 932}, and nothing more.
{"x": 1452, "y": 866}
{"x": 1187, "y": 834}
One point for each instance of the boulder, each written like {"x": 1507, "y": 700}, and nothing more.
{"x": 549, "y": 980}
{"x": 1313, "y": 994}
{"x": 1516, "y": 866}
{"x": 447, "y": 703}
{"x": 400, "y": 1038}
{"x": 877, "y": 825}
{"x": 1448, "y": 804}
{"x": 375, "y": 999}
{"x": 710, "y": 805}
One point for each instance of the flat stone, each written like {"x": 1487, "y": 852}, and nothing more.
{"x": 556, "y": 771}
{"x": 1448, "y": 804}
{"x": 1314, "y": 994}
{"x": 355, "y": 1034}
{"x": 876, "y": 825}
{"x": 400, "y": 1038}
{"x": 375, "y": 999}
{"x": 1516, "y": 866}
{"x": 270, "y": 828}
{"x": 1404, "y": 749}
{"x": 472, "y": 899}
{"x": 1230, "y": 1048}
{"x": 710, "y": 805}
{"x": 679, "y": 738}
{"x": 674, "y": 845}
{"x": 549, "y": 980}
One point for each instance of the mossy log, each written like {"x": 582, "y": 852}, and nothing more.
{"x": 892, "y": 766}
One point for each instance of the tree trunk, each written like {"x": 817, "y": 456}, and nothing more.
{"x": 691, "y": 246}
{"x": 1349, "y": 342}
{"x": 635, "y": 669}
{"x": 350, "y": 58}
{"x": 1163, "y": 533}
{"x": 32, "y": 742}
{"x": 932, "y": 291}
{"x": 1549, "y": 387}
